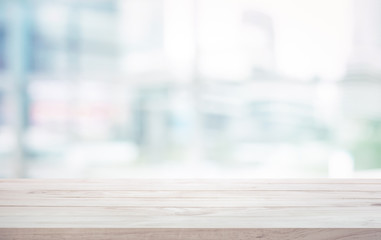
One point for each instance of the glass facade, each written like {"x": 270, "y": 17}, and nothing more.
{"x": 168, "y": 88}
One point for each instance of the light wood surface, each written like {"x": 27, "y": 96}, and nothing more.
{"x": 191, "y": 209}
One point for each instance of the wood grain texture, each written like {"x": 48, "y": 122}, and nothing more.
{"x": 188, "y": 234}
{"x": 191, "y": 209}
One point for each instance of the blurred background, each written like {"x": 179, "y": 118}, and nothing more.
{"x": 190, "y": 88}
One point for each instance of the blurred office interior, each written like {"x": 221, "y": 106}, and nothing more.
{"x": 190, "y": 88}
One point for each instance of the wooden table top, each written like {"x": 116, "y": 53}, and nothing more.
{"x": 190, "y": 204}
